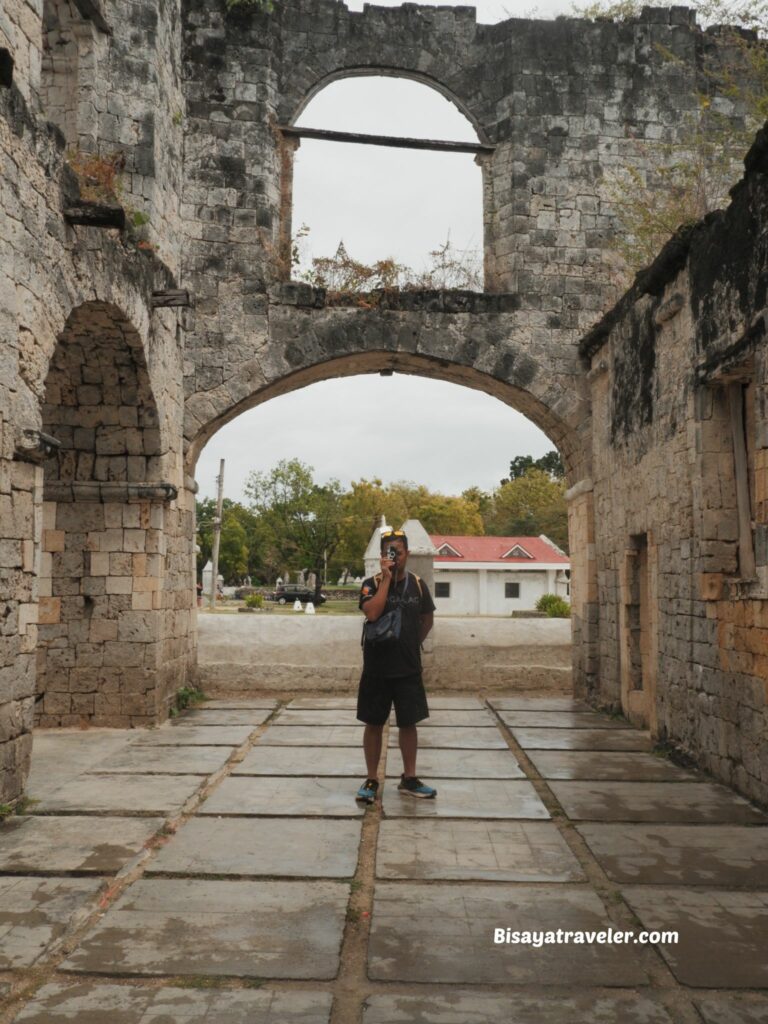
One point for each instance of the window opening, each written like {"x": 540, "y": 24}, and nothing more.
{"x": 442, "y": 589}
{"x": 398, "y": 207}
{"x": 511, "y": 590}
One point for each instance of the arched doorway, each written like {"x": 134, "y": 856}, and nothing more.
{"x": 102, "y": 559}
{"x": 545, "y": 406}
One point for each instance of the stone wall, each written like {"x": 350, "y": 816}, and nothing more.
{"x": 564, "y": 103}
{"x": 86, "y": 358}
{"x": 679, "y": 373}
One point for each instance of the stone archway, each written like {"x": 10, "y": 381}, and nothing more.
{"x": 478, "y": 352}
{"x": 101, "y": 559}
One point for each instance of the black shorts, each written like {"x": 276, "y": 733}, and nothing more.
{"x": 375, "y": 698}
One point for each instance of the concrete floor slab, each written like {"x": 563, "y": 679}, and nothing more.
{"x": 194, "y": 735}
{"x": 271, "y": 795}
{"x": 499, "y": 851}
{"x": 313, "y": 736}
{"x": 704, "y": 802}
{"x": 310, "y": 761}
{"x": 733, "y": 1010}
{"x": 469, "y": 798}
{"x": 610, "y": 764}
{"x": 222, "y": 716}
{"x": 523, "y": 703}
{"x": 219, "y": 928}
{"x": 49, "y": 844}
{"x": 461, "y": 764}
{"x": 443, "y": 934}
{"x": 727, "y": 856}
{"x": 62, "y": 754}
{"x": 35, "y": 912}
{"x": 582, "y": 739}
{"x": 471, "y": 738}
{"x": 437, "y": 717}
{"x": 234, "y": 703}
{"x": 90, "y": 1003}
{"x": 722, "y": 935}
{"x": 513, "y": 1008}
{"x": 331, "y": 703}
{"x": 451, "y": 702}
{"x": 317, "y": 716}
{"x": 270, "y": 846}
{"x": 561, "y": 720}
{"x": 143, "y": 759}
{"x": 122, "y": 794}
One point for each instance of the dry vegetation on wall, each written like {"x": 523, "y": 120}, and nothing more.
{"x": 98, "y": 177}
{"x": 346, "y": 279}
{"x": 676, "y": 182}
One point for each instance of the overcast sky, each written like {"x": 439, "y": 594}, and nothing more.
{"x": 384, "y": 203}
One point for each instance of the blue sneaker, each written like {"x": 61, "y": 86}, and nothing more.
{"x": 368, "y": 790}
{"x": 415, "y": 787}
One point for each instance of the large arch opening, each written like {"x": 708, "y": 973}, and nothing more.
{"x": 329, "y": 666}
{"x": 102, "y": 552}
{"x": 383, "y": 193}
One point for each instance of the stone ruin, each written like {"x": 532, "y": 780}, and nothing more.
{"x": 135, "y": 326}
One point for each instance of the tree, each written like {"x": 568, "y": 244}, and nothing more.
{"x": 363, "y": 505}
{"x": 302, "y": 518}
{"x": 242, "y": 540}
{"x": 530, "y": 505}
{"x": 368, "y": 500}
{"x": 550, "y": 463}
{"x": 676, "y": 183}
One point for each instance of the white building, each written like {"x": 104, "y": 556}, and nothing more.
{"x": 496, "y": 575}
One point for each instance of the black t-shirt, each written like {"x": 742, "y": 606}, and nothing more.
{"x": 398, "y": 657}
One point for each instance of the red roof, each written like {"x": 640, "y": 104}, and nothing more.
{"x": 493, "y": 549}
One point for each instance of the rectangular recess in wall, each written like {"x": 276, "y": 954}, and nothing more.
{"x": 6, "y": 68}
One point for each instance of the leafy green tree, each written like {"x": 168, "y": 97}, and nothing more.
{"x": 550, "y": 463}
{"x": 242, "y": 540}
{"x": 529, "y": 505}
{"x": 301, "y": 518}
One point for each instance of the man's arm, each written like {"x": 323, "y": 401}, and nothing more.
{"x": 373, "y": 608}
{"x": 425, "y": 625}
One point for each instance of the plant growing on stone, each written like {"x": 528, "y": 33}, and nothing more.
{"x": 254, "y": 601}
{"x": 98, "y": 176}
{"x": 448, "y": 268}
{"x": 188, "y": 696}
{"x": 676, "y": 183}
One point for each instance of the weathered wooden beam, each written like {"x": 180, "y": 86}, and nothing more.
{"x": 394, "y": 141}
{"x": 171, "y": 297}
{"x": 91, "y": 11}
{"x": 93, "y": 214}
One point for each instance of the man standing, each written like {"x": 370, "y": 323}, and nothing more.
{"x": 392, "y": 668}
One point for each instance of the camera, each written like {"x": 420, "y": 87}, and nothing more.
{"x": 392, "y": 553}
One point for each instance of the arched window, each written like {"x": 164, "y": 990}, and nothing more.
{"x": 381, "y": 211}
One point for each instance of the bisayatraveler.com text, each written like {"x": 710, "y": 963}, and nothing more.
{"x": 559, "y": 936}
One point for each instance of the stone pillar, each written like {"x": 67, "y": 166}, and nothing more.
{"x": 584, "y": 600}
{"x": 20, "y": 487}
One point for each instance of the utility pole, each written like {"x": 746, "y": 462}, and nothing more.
{"x": 217, "y": 534}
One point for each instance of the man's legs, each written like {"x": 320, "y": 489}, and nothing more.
{"x": 408, "y": 746}
{"x": 372, "y": 748}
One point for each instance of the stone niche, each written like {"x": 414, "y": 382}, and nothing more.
{"x": 102, "y": 557}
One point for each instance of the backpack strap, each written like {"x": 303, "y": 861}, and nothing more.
{"x": 418, "y": 582}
